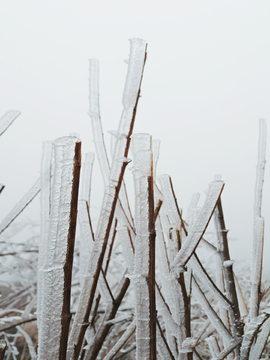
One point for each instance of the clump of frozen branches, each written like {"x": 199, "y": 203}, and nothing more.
{"x": 139, "y": 285}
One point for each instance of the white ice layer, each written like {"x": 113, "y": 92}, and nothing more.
{"x": 258, "y": 348}
{"x": 45, "y": 204}
{"x": 168, "y": 199}
{"x": 103, "y": 227}
{"x": 142, "y": 170}
{"x": 7, "y": 120}
{"x": 211, "y": 314}
{"x": 257, "y": 267}
{"x": 120, "y": 343}
{"x": 86, "y": 175}
{"x": 53, "y": 272}
{"x": 122, "y": 208}
{"x": 250, "y": 331}
{"x": 20, "y": 206}
{"x": 86, "y": 239}
{"x": 197, "y": 230}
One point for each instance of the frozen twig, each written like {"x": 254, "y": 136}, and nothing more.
{"x": 7, "y": 120}
{"x": 256, "y": 267}
{"x": 119, "y": 163}
{"x": 197, "y": 230}
{"x": 20, "y": 206}
{"x": 144, "y": 272}
{"x": 57, "y": 270}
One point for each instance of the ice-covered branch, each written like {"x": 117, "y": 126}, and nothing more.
{"x": 20, "y": 206}
{"x": 197, "y": 230}
{"x": 144, "y": 272}
{"x": 45, "y": 204}
{"x": 7, "y": 120}
{"x": 119, "y": 163}
{"x": 57, "y": 270}
{"x": 256, "y": 266}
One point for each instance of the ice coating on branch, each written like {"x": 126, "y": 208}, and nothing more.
{"x": 142, "y": 171}
{"x": 107, "y": 209}
{"x": 134, "y": 74}
{"x": 257, "y": 267}
{"x": 193, "y": 204}
{"x": 250, "y": 332}
{"x": 7, "y": 120}
{"x": 85, "y": 185}
{"x": 120, "y": 343}
{"x": 86, "y": 239}
{"x": 169, "y": 200}
{"x": 45, "y": 204}
{"x": 258, "y": 348}
{"x": 127, "y": 246}
{"x": 213, "y": 346}
{"x": 123, "y": 210}
{"x": 211, "y": 314}
{"x": 20, "y": 206}
{"x": 50, "y": 330}
{"x": 198, "y": 228}
{"x": 156, "y": 148}
{"x": 260, "y": 168}
{"x": 94, "y": 112}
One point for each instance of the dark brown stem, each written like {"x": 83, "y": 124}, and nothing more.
{"x": 103, "y": 331}
{"x": 66, "y": 316}
{"x": 235, "y": 318}
{"x": 157, "y": 209}
{"x": 3, "y": 346}
{"x": 16, "y": 323}
{"x": 164, "y": 340}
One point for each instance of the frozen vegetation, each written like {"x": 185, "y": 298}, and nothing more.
{"x": 136, "y": 286}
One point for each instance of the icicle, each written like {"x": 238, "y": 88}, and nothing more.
{"x": 55, "y": 312}
{"x": 7, "y": 120}
{"x": 20, "y": 206}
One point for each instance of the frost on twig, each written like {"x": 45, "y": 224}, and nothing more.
{"x": 144, "y": 271}
{"x": 199, "y": 227}
{"x": 7, "y": 120}
{"x": 45, "y": 204}
{"x": 20, "y": 206}
{"x": 119, "y": 163}
{"x": 57, "y": 269}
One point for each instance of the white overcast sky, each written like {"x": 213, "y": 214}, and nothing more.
{"x": 206, "y": 84}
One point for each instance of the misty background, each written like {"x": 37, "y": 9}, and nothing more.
{"x": 206, "y": 83}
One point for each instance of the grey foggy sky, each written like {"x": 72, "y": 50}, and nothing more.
{"x": 206, "y": 84}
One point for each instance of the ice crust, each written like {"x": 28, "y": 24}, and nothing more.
{"x": 7, "y": 120}
{"x": 86, "y": 175}
{"x": 53, "y": 273}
